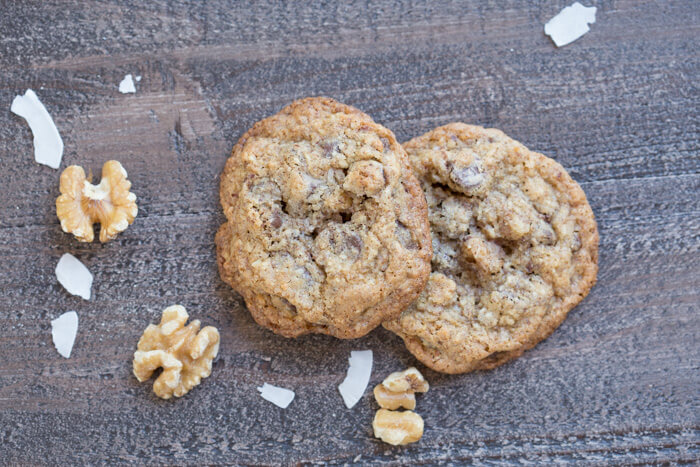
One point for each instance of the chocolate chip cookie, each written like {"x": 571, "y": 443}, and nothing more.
{"x": 327, "y": 228}
{"x": 515, "y": 247}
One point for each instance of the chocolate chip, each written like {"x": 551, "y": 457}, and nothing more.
{"x": 404, "y": 236}
{"x": 288, "y": 305}
{"x": 576, "y": 243}
{"x": 329, "y": 147}
{"x": 495, "y": 357}
{"x": 276, "y": 222}
{"x": 467, "y": 177}
{"x": 529, "y": 267}
{"x": 308, "y": 278}
{"x": 354, "y": 241}
{"x": 282, "y": 304}
{"x": 338, "y": 240}
{"x": 545, "y": 235}
{"x": 385, "y": 144}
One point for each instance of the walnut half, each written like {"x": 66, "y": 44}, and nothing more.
{"x": 82, "y": 204}
{"x": 397, "y": 428}
{"x": 397, "y": 391}
{"x": 184, "y": 352}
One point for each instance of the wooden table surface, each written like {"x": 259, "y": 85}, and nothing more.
{"x": 618, "y": 382}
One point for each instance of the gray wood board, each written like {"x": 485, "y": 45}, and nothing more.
{"x": 616, "y": 383}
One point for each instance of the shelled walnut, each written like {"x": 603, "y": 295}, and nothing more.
{"x": 184, "y": 352}
{"x": 82, "y": 204}
{"x": 395, "y": 392}
{"x": 397, "y": 428}
{"x": 399, "y": 388}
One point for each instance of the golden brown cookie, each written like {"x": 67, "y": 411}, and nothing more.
{"x": 515, "y": 247}
{"x": 327, "y": 228}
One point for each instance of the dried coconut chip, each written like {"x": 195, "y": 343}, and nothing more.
{"x": 48, "y": 145}
{"x": 281, "y": 397}
{"x": 63, "y": 331}
{"x": 570, "y": 24}
{"x": 127, "y": 85}
{"x": 355, "y": 383}
{"x": 74, "y": 276}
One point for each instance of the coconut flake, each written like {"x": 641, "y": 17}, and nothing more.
{"x": 74, "y": 276}
{"x": 281, "y": 397}
{"x": 48, "y": 145}
{"x": 127, "y": 85}
{"x": 570, "y": 24}
{"x": 63, "y": 331}
{"x": 353, "y": 386}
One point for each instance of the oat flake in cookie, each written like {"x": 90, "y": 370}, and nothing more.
{"x": 327, "y": 229}
{"x": 515, "y": 247}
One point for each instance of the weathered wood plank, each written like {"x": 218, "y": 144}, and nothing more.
{"x": 617, "y": 383}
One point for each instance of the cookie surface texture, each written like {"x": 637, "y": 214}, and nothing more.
{"x": 515, "y": 247}
{"x": 327, "y": 228}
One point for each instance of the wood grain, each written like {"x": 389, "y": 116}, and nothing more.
{"x": 616, "y": 384}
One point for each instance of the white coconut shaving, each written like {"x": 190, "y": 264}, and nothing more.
{"x": 48, "y": 145}
{"x": 281, "y": 397}
{"x": 570, "y": 24}
{"x": 63, "y": 331}
{"x": 127, "y": 85}
{"x": 74, "y": 276}
{"x": 355, "y": 383}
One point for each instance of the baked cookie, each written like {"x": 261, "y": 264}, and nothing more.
{"x": 515, "y": 247}
{"x": 327, "y": 228}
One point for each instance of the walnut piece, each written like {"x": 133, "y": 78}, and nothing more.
{"x": 394, "y": 400}
{"x": 184, "y": 352}
{"x": 408, "y": 380}
{"x": 398, "y": 391}
{"x": 397, "y": 428}
{"x": 82, "y": 204}
{"x": 399, "y": 388}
